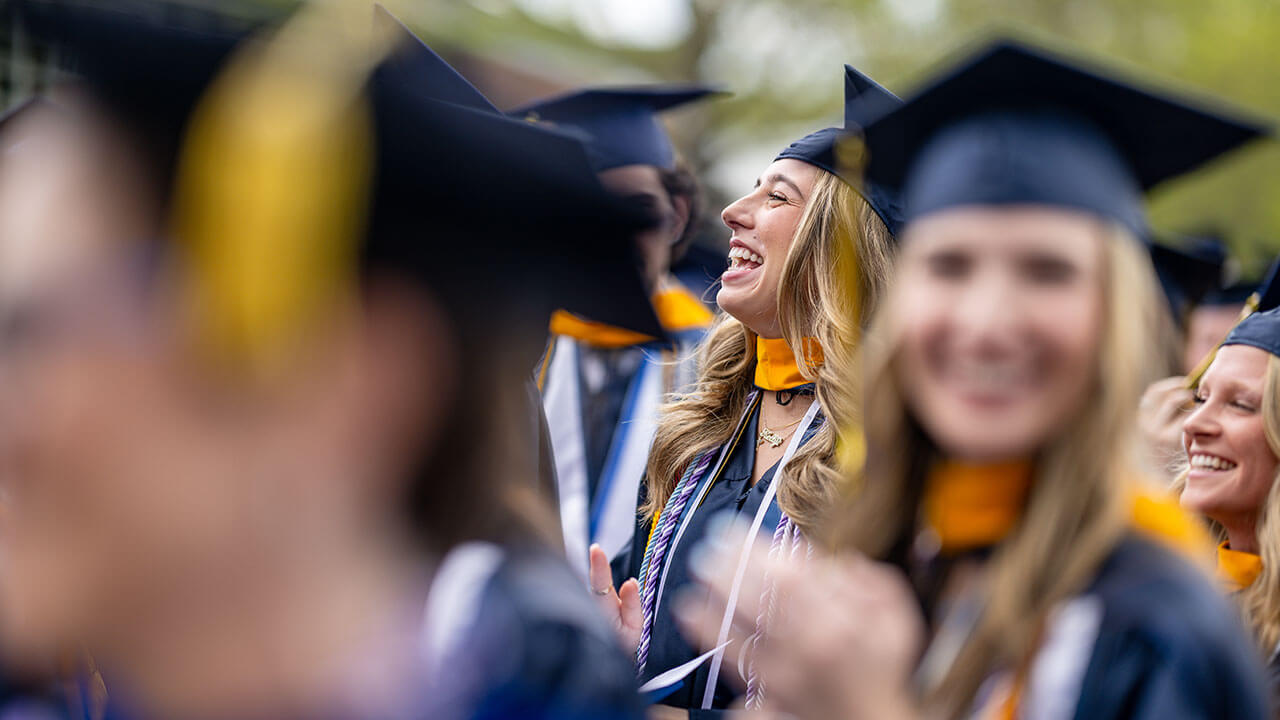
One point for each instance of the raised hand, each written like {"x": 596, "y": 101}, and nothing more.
{"x": 621, "y": 605}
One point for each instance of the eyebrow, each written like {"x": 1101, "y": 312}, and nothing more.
{"x": 779, "y": 177}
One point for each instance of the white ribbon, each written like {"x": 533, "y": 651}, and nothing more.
{"x": 731, "y": 606}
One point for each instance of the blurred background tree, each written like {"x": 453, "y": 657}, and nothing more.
{"x": 783, "y": 62}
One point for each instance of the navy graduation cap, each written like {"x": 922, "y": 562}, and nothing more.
{"x": 1013, "y": 124}
{"x": 1185, "y": 276}
{"x": 1234, "y": 294}
{"x": 621, "y": 124}
{"x": 415, "y": 59}
{"x": 864, "y": 99}
{"x": 1260, "y": 330}
{"x": 442, "y": 155}
{"x": 1262, "y": 301}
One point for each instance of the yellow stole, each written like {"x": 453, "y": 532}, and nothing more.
{"x": 677, "y": 310}
{"x": 776, "y": 367}
{"x": 975, "y": 505}
{"x": 1237, "y": 570}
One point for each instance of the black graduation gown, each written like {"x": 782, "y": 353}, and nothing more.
{"x": 542, "y": 649}
{"x": 730, "y": 494}
{"x": 1169, "y": 646}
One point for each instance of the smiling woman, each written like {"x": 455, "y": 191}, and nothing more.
{"x": 809, "y": 252}
{"x": 1232, "y": 441}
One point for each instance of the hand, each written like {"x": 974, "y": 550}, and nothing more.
{"x": 844, "y": 636}
{"x": 1160, "y": 417}
{"x": 620, "y": 606}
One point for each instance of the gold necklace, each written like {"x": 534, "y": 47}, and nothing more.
{"x": 771, "y": 436}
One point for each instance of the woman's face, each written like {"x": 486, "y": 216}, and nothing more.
{"x": 1232, "y": 467}
{"x": 764, "y": 224}
{"x": 1001, "y": 311}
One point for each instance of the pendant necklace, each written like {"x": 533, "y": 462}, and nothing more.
{"x": 771, "y": 436}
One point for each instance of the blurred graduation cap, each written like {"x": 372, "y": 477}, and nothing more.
{"x": 1186, "y": 275}
{"x": 1230, "y": 295}
{"x": 497, "y": 217}
{"x": 621, "y": 123}
{"x": 1263, "y": 300}
{"x": 1014, "y": 124}
{"x": 864, "y": 99}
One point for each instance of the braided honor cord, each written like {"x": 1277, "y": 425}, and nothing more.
{"x": 786, "y": 540}
{"x": 655, "y": 553}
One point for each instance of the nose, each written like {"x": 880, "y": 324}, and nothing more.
{"x": 1202, "y": 422}
{"x": 987, "y": 313}
{"x": 737, "y": 215}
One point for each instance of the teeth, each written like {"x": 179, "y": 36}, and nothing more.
{"x": 741, "y": 253}
{"x": 1211, "y": 462}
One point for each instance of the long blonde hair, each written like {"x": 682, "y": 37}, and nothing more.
{"x": 1075, "y": 512}
{"x": 839, "y": 239}
{"x": 1260, "y": 602}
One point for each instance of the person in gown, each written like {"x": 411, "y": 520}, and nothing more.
{"x": 991, "y": 559}
{"x": 806, "y": 243}
{"x": 254, "y": 414}
{"x": 601, "y": 385}
{"x": 1232, "y": 440}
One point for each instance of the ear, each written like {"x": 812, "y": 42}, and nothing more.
{"x": 682, "y": 207}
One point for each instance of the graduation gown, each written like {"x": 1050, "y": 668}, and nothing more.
{"x": 601, "y": 389}
{"x": 514, "y": 635}
{"x": 729, "y": 492}
{"x": 1150, "y": 638}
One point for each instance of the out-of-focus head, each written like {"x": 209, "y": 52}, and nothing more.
{"x": 633, "y": 155}
{"x": 148, "y": 464}
{"x": 1211, "y": 319}
{"x": 1001, "y": 312}
{"x": 1019, "y": 173}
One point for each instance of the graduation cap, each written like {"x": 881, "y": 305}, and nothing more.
{"x": 1260, "y": 330}
{"x": 1185, "y": 276}
{"x": 496, "y": 216}
{"x": 1013, "y": 124}
{"x": 414, "y": 59}
{"x": 621, "y": 123}
{"x": 864, "y": 99}
{"x": 1234, "y": 294}
{"x": 1261, "y": 301}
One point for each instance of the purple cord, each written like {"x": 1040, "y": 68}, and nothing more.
{"x": 656, "y": 552}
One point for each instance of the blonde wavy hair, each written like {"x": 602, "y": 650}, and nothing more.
{"x": 1076, "y": 510}
{"x": 1260, "y": 602}
{"x": 834, "y": 272}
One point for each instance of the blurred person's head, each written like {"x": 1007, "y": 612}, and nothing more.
{"x": 1210, "y": 321}
{"x": 672, "y": 197}
{"x": 179, "y": 513}
{"x": 1016, "y": 337}
{"x": 635, "y": 159}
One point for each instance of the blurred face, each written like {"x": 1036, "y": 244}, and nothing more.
{"x": 643, "y": 184}
{"x": 138, "y": 487}
{"x": 764, "y": 224}
{"x": 1232, "y": 467}
{"x": 1206, "y": 326}
{"x": 86, "y": 429}
{"x": 1001, "y": 312}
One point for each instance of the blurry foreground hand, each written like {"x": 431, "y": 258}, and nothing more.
{"x": 1160, "y": 417}
{"x": 844, "y": 637}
